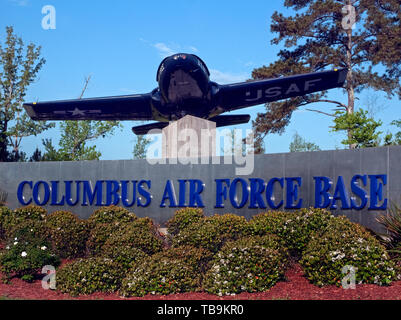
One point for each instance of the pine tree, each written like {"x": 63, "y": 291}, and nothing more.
{"x": 362, "y": 36}
{"x": 299, "y": 144}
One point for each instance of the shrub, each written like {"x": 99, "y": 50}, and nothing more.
{"x": 343, "y": 243}
{"x": 124, "y": 255}
{"x": 293, "y": 228}
{"x": 140, "y": 234}
{"x": 28, "y": 230}
{"x": 5, "y": 216}
{"x": 250, "y": 264}
{"x": 392, "y": 223}
{"x": 111, "y": 214}
{"x": 197, "y": 258}
{"x": 212, "y": 232}
{"x": 182, "y": 219}
{"x": 67, "y": 234}
{"x": 99, "y": 235}
{"x": 86, "y": 276}
{"x": 167, "y": 272}
{"x": 30, "y": 213}
{"x": 25, "y": 259}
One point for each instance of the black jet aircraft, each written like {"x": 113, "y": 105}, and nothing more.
{"x": 185, "y": 89}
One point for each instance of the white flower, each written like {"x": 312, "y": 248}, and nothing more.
{"x": 43, "y": 248}
{"x": 16, "y": 239}
{"x": 8, "y": 247}
{"x": 24, "y": 254}
{"x": 15, "y": 243}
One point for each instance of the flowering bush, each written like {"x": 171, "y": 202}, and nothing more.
{"x": 28, "y": 230}
{"x": 25, "y": 259}
{"x": 182, "y": 219}
{"x": 212, "y": 232}
{"x": 125, "y": 254}
{"x": 167, "y": 272}
{"x": 197, "y": 258}
{"x": 250, "y": 264}
{"x": 99, "y": 235}
{"x": 86, "y": 276}
{"x": 67, "y": 234}
{"x": 343, "y": 243}
{"x": 141, "y": 234}
{"x": 294, "y": 228}
{"x": 111, "y": 214}
{"x": 30, "y": 212}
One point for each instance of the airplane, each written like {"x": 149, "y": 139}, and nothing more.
{"x": 184, "y": 88}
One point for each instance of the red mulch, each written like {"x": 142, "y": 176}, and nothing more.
{"x": 297, "y": 287}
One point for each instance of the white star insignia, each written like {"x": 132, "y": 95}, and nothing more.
{"x": 78, "y": 112}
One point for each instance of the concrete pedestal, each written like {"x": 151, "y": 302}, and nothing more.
{"x": 189, "y": 137}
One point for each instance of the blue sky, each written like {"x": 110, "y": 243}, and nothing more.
{"x": 121, "y": 43}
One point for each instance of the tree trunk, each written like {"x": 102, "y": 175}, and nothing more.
{"x": 3, "y": 143}
{"x": 350, "y": 79}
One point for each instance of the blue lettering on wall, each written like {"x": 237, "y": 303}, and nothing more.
{"x": 89, "y": 194}
{"x": 54, "y": 195}
{"x": 257, "y": 189}
{"x": 195, "y": 190}
{"x": 221, "y": 192}
{"x": 270, "y": 193}
{"x": 340, "y": 194}
{"x": 124, "y": 193}
{"x": 376, "y": 192}
{"x": 169, "y": 194}
{"x": 144, "y": 193}
{"x": 293, "y": 200}
{"x": 361, "y": 191}
{"x": 36, "y": 196}
{"x": 322, "y": 195}
{"x": 20, "y": 193}
{"x": 234, "y": 193}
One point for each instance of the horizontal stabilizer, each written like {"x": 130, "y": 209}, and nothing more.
{"x": 229, "y": 120}
{"x": 142, "y": 130}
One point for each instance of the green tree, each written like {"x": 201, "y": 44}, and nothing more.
{"x": 299, "y": 144}
{"x": 75, "y": 135}
{"x": 390, "y": 139}
{"x": 320, "y": 36}
{"x": 141, "y": 147}
{"x": 362, "y": 128}
{"x": 19, "y": 66}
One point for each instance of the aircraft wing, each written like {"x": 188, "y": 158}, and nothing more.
{"x": 132, "y": 107}
{"x": 246, "y": 94}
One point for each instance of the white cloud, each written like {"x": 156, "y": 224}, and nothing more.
{"x": 227, "y": 77}
{"x": 164, "y": 50}
{"x": 193, "y": 49}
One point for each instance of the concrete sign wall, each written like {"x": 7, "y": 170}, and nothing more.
{"x": 358, "y": 183}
